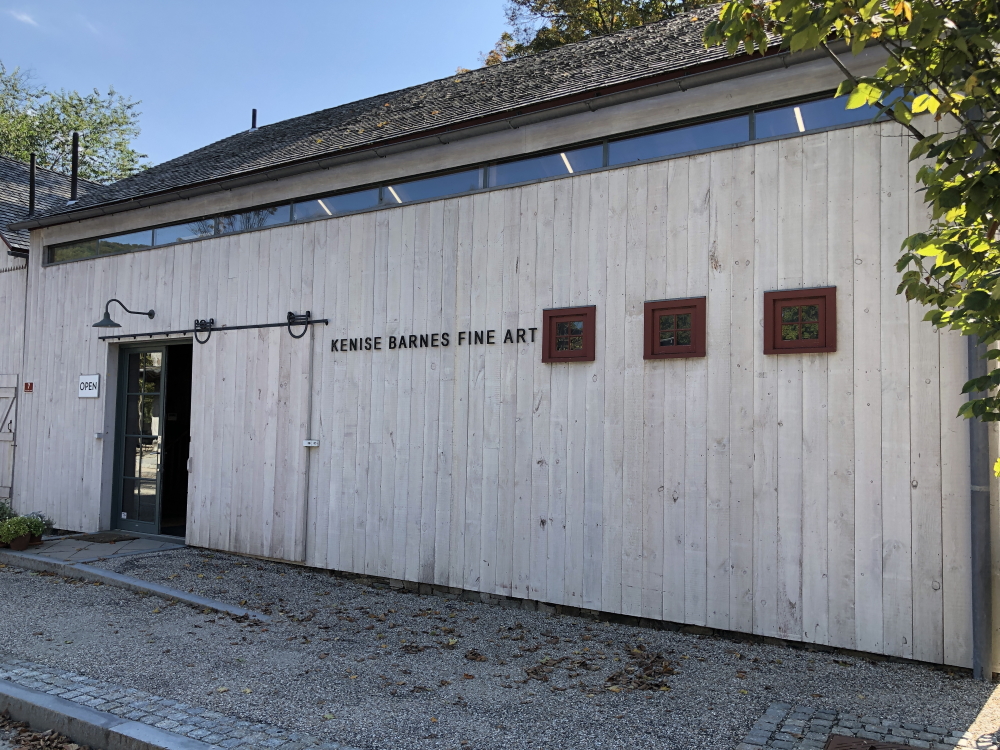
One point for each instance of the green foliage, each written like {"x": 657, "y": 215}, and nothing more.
{"x": 942, "y": 54}
{"x": 6, "y": 512}
{"x": 541, "y": 25}
{"x": 35, "y": 120}
{"x": 13, "y": 528}
{"x": 36, "y": 525}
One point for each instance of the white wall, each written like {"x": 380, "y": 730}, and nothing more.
{"x": 13, "y": 277}
{"x": 818, "y": 497}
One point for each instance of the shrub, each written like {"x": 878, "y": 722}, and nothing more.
{"x": 6, "y": 512}
{"x": 13, "y": 528}
{"x": 35, "y": 525}
{"x": 46, "y": 521}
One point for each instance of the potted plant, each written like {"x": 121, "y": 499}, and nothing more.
{"x": 37, "y": 527}
{"x": 16, "y": 532}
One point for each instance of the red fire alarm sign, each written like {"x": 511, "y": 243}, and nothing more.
{"x": 29, "y": 387}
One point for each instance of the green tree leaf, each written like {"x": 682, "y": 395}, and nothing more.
{"x": 36, "y": 120}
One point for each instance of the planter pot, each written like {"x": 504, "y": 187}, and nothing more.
{"x": 20, "y": 543}
{"x": 35, "y": 540}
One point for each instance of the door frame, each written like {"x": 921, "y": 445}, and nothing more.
{"x": 121, "y": 399}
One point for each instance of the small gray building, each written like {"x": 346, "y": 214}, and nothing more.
{"x": 611, "y": 327}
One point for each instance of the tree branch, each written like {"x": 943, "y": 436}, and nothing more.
{"x": 850, "y": 77}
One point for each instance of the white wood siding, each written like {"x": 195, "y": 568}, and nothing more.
{"x": 13, "y": 280}
{"x": 815, "y": 497}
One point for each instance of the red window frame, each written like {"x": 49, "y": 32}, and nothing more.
{"x": 825, "y": 298}
{"x": 550, "y": 319}
{"x": 693, "y": 306}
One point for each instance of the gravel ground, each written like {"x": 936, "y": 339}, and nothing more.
{"x": 19, "y": 736}
{"x": 378, "y": 668}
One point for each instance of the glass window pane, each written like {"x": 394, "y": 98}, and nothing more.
{"x": 789, "y": 333}
{"x": 550, "y": 165}
{"x": 132, "y": 414}
{"x": 133, "y": 457}
{"x": 681, "y": 140}
{"x": 810, "y": 331}
{"x": 130, "y": 506}
{"x": 74, "y": 251}
{"x": 810, "y": 312}
{"x": 152, "y": 365}
{"x": 147, "y": 501}
{"x": 666, "y": 322}
{"x": 569, "y": 343}
{"x": 145, "y": 416}
{"x": 258, "y": 219}
{"x": 190, "y": 231}
{"x": 684, "y": 321}
{"x": 799, "y": 118}
{"x": 148, "y": 458}
{"x": 667, "y": 338}
{"x": 336, "y": 204}
{"x": 124, "y": 243}
{"x": 790, "y": 314}
{"x": 134, "y": 384}
{"x": 684, "y": 338}
{"x": 569, "y": 328}
{"x": 434, "y": 187}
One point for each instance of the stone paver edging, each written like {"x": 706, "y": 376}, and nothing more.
{"x": 90, "y": 573}
{"x": 84, "y": 725}
{"x": 787, "y": 727}
{"x": 170, "y": 718}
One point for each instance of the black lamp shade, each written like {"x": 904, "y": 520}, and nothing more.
{"x": 106, "y": 322}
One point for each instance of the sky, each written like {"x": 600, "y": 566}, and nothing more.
{"x": 199, "y": 67}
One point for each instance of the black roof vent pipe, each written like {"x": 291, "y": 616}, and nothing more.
{"x": 31, "y": 187}
{"x": 74, "y": 174}
{"x": 253, "y": 120}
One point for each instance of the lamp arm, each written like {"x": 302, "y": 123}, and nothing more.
{"x": 150, "y": 313}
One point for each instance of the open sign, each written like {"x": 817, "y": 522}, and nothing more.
{"x": 90, "y": 386}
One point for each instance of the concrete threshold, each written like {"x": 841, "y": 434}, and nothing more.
{"x": 86, "y": 572}
{"x": 85, "y": 725}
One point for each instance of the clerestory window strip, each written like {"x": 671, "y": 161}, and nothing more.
{"x": 724, "y": 131}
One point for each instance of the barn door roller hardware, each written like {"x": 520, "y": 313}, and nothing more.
{"x": 298, "y": 320}
{"x": 107, "y": 322}
{"x": 207, "y": 326}
{"x": 203, "y": 325}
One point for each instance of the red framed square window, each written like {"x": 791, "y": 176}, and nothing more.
{"x": 568, "y": 334}
{"x": 803, "y": 321}
{"x": 674, "y": 328}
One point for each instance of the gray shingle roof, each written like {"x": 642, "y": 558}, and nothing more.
{"x": 624, "y": 57}
{"x": 52, "y": 190}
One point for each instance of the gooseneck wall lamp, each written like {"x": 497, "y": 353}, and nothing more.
{"x": 107, "y": 322}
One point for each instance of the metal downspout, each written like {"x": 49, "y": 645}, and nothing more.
{"x": 309, "y": 434}
{"x": 982, "y": 583}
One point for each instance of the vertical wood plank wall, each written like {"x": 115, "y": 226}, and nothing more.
{"x": 817, "y": 497}
{"x": 13, "y": 280}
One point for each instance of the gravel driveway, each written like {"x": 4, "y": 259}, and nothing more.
{"x": 378, "y": 668}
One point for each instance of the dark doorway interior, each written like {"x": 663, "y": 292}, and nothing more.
{"x": 176, "y": 440}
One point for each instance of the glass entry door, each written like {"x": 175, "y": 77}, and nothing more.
{"x": 140, "y": 437}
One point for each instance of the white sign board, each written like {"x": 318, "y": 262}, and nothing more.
{"x": 90, "y": 386}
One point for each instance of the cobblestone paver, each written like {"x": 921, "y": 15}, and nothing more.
{"x": 789, "y": 727}
{"x": 218, "y": 730}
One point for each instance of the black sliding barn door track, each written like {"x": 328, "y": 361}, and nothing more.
{"x": 207, "y": 326}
